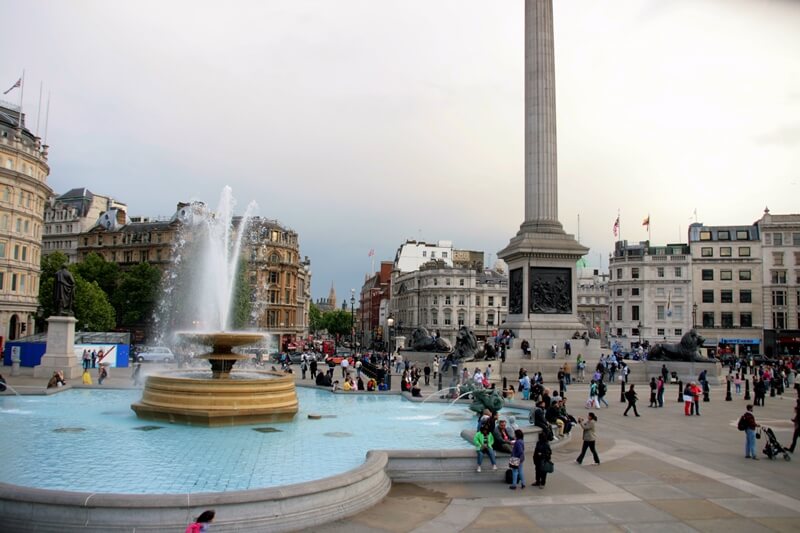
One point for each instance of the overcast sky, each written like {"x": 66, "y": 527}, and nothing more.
{"x": 363, "y": 123}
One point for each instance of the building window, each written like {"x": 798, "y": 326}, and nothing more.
{"x": 435, "y": 317}
{"x": 424, "y": 253}
{"x": 678, "y": 312}
{"x": 490, "y": 319}
{"x": 745, "y": 296}
{"x": 708, "y": 319}
{"x": 477, "y": 319}
{"x": 726, "y": 320}
{"x": 13, "y": 283}
{"x": 503, "y": 301}
{"x": 447, "y": 319}
{"x": 707, "y": 252}
{"x": 707, "y": 274}
{"x": 746, "y": 320}
{"x": 779, "y": 298}
{"x": 635, "y": 273}
{"x": 778, "y": 277}
{"x": 777, "y": 258}
{"x": 460, "y": 319}
{"x": 744, "y": 275}
{"x": 742, "y": 235}
{"x": 660, "y": 272}
{"x": 708, "y": 297}
{"x": 744, "y": 251}
{"x": 433, "y": 254}
{"x": 726, "y": 275}
{"x": 619, "y": 273}
{"x": 779, "y": 320}
{"x": 678, "y": 331}
{"x": 477, "y": 300}
{"x": 725, "y": 251}
{"x": 796, "y": 239}
{"x": 436, "y": 281}
{"x": 724, "y": 235}
{"x": 635, "y": 291}
{"x": 678, "y": 272}
{"x": 726, "y": 297}
{"x": 660, "y": 292}
{"x": 24, "y": 253}
{"x": 491, "y": 301}
{"x": 435, "y": 300}
{"x": 705, "y": 235}
{"x": 2, "y": 249}
{"x": 16, "y": 252}
{"x": 619, "y": 312}
{"x": 767, "y": 238}
{"x": 461, "y": 299}
{"x": 461, "y": 282}
{"x": 619, "y": 292}
{"x": 447, "y": 281}
{"x": 444, "y": 254}
{"x": 777, "y": 239}
{"x": 634, "y": 312}
{"x": 660, "y": 314}
{"x": 447, "y": 300}
{"x": 660, "y": 331}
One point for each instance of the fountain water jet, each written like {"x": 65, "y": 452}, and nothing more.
{"x": 224, "y": 398}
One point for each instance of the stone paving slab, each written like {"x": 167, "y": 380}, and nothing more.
{"x": 756, "y": 508}
{"x": 557, "y": 516}
{"x": 631, "y": 512}
{"x": 658, "y": 527}
{"x": 711, "y": 489}
{"x": 504, "y": 518}
{"x": 692, "y": 509}
{"x": 731, "y": 525}
{"x": 658, "y": 491}
{"x": 783, "y": 525}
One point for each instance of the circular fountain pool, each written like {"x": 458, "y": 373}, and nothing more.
{"x": 91, "y": 441}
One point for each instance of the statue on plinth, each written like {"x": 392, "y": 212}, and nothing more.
{"x": 423, "y": 341}
{"x": 63, "y": 292}
{"x": 482, "y": 398}
{"x": 686, "y": 350}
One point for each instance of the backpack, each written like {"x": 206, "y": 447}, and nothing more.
{"x": 742, "y": 425}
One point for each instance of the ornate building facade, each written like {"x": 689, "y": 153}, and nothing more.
{"x": 23, "y": 193}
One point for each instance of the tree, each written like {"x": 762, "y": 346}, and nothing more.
{"x": 242, "y": 304}
{"x": 338, "y": 322}
{"x": 314, "y": 318}
{"x": 92, "y": 308}
{"x": 95, "y": 268}
{"x": 136, "y": 295}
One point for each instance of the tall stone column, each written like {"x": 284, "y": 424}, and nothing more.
{"x": 541, "y": 257}
{"x": 541, "y": 154}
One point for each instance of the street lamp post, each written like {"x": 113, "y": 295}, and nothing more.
{"x": 694, "y": 316}
{"x": 390, "y": 323}
{"x": 352, "y": 318}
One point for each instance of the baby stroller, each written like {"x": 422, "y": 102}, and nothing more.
{"x": 773, "y": 448}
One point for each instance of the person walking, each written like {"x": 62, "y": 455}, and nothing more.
{"x": 589, "y": 438}
{"x": 541, "y": 456}
{"x": 94, "y": 359}
{"x": 435, "y": 367}
{"x": 653, "y": 393}
{"x": 102, "y": 374}
{"x": 750, "y": 427}
{"x": 517, "y": 459}
{"x": 688, "y": 399}
{"x": 203, "y": 522}
{"x": 660, "y": 391}
{"x": 427, "y": 373}
{"x": 631, "y": 397}
{"x": 601, "y": 394}
{"x": 483, "y": 446}
{"x": 592, "y": 400}
{"x": 796, "y": 421}
{"x": 87, "y": 359}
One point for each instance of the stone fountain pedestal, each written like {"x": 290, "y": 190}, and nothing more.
{"x": 224, "y": 398}
{"x": 60, "y": 353}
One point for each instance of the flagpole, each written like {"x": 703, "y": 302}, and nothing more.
{"x": 46, "y": 118}
{"x": 21, "y": 93}
{"x": 39, "y": 109}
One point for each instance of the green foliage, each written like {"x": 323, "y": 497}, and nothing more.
{"x": 314, "y": 318}
{"x": 136, "y": 295}
{"x": 337, "y": 322}
{"x": 242, "y": 309}
{"x": 92, "y": 308}
{"x": 95, "y": 268}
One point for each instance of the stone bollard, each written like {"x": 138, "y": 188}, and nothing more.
{"x": 706, "y": 391}
{"x": 680, "y": 391}
{"x": 771, "y": 391}
{"x": 622, "y": 391}
{"x": 15, "y": 360}
{"x": 728, "y": 397}
{"x": 746, "y": 388}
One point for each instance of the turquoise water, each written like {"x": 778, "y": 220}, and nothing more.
{"x": 90, "y": 440}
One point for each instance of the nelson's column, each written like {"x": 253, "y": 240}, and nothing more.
{"x": 541, "y": 257}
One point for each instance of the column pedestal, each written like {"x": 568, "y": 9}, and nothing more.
{"x": 60, "y": 354}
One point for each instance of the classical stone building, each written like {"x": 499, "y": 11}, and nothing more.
{"x": 280, "y": 279}
{"x": 68, "y": 216}
{"x": 23, "y": 194}
{"x": 780, "y": 242}
{"x": 727, "y": 286}
{"x": 593, "y": 302}
{"x": 649, "y": 293}
{"x": 443, "y": 298}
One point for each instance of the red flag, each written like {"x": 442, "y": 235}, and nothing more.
{"x": 616, "y": 226}
{"x": 646, "y": 222}
{"x": 371, "y": 252}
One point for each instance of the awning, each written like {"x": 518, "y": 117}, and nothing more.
{"x": 739, "y": 341}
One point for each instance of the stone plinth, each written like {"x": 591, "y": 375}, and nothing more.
{"x": 687, "y": 371}
{"x": 60, "y": 353}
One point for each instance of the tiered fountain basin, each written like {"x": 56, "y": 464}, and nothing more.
{"x": 219, "y": 397}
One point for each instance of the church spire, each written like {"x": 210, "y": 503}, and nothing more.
{"x": 332, "y": 296}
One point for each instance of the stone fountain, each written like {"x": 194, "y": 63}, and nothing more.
{"x": 222, "y": 396}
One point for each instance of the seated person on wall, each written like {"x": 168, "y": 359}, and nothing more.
{"x": 551, "y": 415}
{"x": 508, "y": 393}
{"x": 323, "y": 380}
{"x": 415, "y": 390}
{"x": 57, "y": 380}
{"x": 346, "y": 386}
{"x": 568, "y": 419}
{"x": 371, "y": 385}
{"x": 503, "y": 437}
{"x": 2, "y": 383}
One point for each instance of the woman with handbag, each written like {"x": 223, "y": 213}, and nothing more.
{"x": 515, "y": 463}
{"x": 541, "y": 460}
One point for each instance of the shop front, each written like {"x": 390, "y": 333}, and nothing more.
{"x": 783, "y": 342}
{"x": 738, "y": 346}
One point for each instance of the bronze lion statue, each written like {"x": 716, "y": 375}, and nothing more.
{"x": 422, "y": 341}
{"x": 466, "y": 345}
{"x": 686, "y": 350}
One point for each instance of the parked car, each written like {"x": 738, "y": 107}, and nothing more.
{"x": 159, "y": 354}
